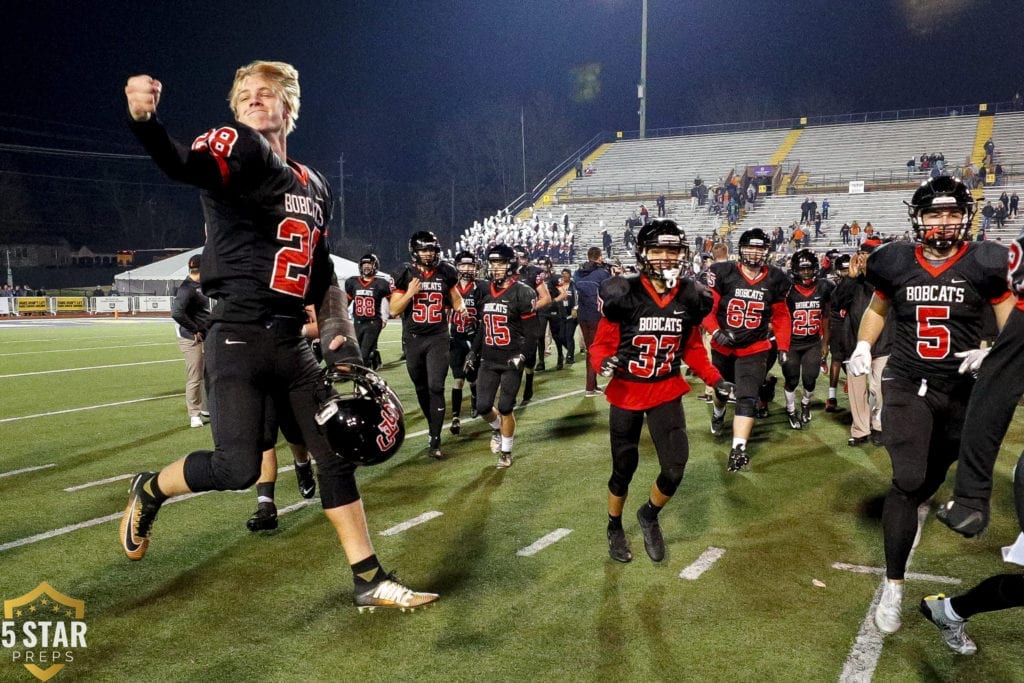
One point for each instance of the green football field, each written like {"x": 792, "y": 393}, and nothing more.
{"x": 83, "y": 406}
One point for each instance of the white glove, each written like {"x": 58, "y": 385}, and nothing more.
{"x": 972, "y": 359}
{"x": 860, "y": 362}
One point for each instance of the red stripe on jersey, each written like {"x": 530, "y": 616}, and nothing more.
{"x": 1001, "y": 298}
{"x": 225, "y": 172}
{"x": 300, "y": 171}
{"x": 938, "y": 270}
{"x": 662, "y": 300}
{"x": 710, "y": 322}
{"x": 760, "y": 276}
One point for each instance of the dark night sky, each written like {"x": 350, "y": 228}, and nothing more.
{"x": 377, "y": 77}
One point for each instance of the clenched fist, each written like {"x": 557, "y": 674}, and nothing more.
{"x": 143, "y": 93}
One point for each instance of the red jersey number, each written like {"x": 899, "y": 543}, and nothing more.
{"x": 932, "y": 337}
{"x": 364, "y": 307}
{"x": 427, "y": 308}
{"x": 806, "y": 322}
{"x": 496, "y": 332}
{"x": 291, "y": 263}
{"x": 219, "y": 141}
{"x": 466, "y": 322}
{"x": 742, "y": 313}
{"x": 650, "y": 347}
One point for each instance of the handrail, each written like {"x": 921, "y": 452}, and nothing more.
{"x": 527, "y": 198}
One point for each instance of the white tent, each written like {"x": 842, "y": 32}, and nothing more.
{"x": 163, "y": 277}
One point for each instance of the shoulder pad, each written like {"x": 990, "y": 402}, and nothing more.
{"x": 614, "y": 287}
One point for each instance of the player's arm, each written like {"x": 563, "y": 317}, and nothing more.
{"x": 179, "y": 310}
{"x": 400, "y": 298}
{"x": 337, "y": 333}
{"x": 696, "y": 358}
{"x": 458, "y": 305}
{"x": 1002, "y": 310}
{"x": 543, "y": 295}
{"x": 873, "y": 320}
{"x": 782, "y": 324}
{"x": 826, "y": 327}
{"x": 606, "y": 344}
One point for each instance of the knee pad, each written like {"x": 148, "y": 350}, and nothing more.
{"x": 505, "y": 405}
{"x": 617, "y": 486}
{"x": 668, "y": 481}
{"x": 746, "y": 406}
{"x": 233, "y": 473}
{"x": 337, "y": 482}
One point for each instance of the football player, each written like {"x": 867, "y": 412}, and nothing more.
{"x": 839, "y": 344}
{"x": 423, "y": 290}
{"x": 504, "y": 306}
{"x": 749, "y": 305}
{"x": 808, "y": 302}
{"x": 265, "y": 256}
{"x": 368, "y": 292}
{"x": 536, "y": 279}
{"x": 934, "y": 292}
{"x": 651, "y": 324}
{"x": 463, "y": 331}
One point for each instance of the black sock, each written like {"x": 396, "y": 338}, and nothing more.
{"x": 994, "y": 593}
{"x": 368, "y": 571}
{"x": 153, "y": 490}
{"x": 529, "y": 384}
{"x": 265, "y": 490}
{"x": 614, "y": 523}
{"x": 649, "y": 510}
{"x": 456, "y": 402}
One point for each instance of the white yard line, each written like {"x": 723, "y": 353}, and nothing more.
{"x": 408, "y": 524}
{"x": 83, "y": 525}
{"x": 84, "y": 408}
{"x": 27, "y": 469}
{"x": 910, "y": 576}
{"x": 543, "y": 542}
{"x": 702, "y": 563}
{"x": 296, "y": 506}
{"x": 87, "y": 348}
{"x": 518, "y": 407}
{"x": 98, "y": 482}
{"x": 91, "y": 367}
{"x": 867, "y": 648}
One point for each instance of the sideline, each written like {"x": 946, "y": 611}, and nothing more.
{"x": 92, "y": 367}
{"x": 95, "y": 407}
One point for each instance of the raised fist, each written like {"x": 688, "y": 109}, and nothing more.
{"x": 143, "y": 93}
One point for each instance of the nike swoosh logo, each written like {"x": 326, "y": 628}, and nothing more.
{"x": 958, "y": 282}
{"x": 233, "y": 341}
{"x": 131, "y": 541}
{"x": 678, "y": 312}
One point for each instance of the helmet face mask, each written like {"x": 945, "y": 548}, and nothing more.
{"x": 661, "y": 251}
{"x": 369, "y": 265}
{"x": 804, "y": 267}
{"x": 500, "y": 263}
{"x": 941, "y": 212}
{"x": 425, "y": 249}
{"x": 753, "y": 248}
{"x": 365, "y": 426}
{"x": 465, "y": 264}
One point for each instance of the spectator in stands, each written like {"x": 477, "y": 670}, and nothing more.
{"x": 751, "y": 194}
{"x": 606, "y": 240}
{"x": 805, "y": 208}
{"x": 579, "y": 167}
{"x": 1000, "y": 216}
{"x": 817, "y": 227}
{"x": 982, "y": 175}
{"x": 588, "y": 279}
{"x": 645, "y": 215}
{"x": 855, "y": 233}
{"x": 990, "y": 150}
{"x": 906, "y": 235}
{"x": 694, "y": 195}
{"x": 1014, "y": 201}
{"x": 98, "y": 291}
{"x": 629, "y": 239}
{"x": 869, "y": 231}
{"x": 824, "y": 209}
{"x": 812, "y": 211}
{"x": 1004, "y": 199}
{"x": 987, "y": 212}
{"x": 661, "y": 205}
{"x": 999, "y": 173}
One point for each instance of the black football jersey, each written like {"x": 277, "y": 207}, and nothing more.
{"x": 464, "y": 326}
{"x": 808, "y": 307}
{"x": 653, "y": 327}
{"x": 366, "y": 296}
{"x": 501, "y": 313}
{"x": 425, "y": 314}
{"x": 936, "y": 309}
{"x": 744, "y": 306}
{"x": 266, "y": 220}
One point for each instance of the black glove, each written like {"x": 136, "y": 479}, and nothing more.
{"x": 783, "y": 357}
{"x": 723, "y": 390}
{"x": 609, "y": 366}
{"x": 470, "y": 363}
{"x": 723, "y": 337}
{"x": 966, "y": 516}
{"x": 517, "y": 361}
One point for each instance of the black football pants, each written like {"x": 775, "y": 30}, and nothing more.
{"x": 667, "y": 425}
{"x": 367, "y": 334}
{"x": 805, "y": 363}
{"x": 426, "y": 359}
{"x": 245, "y": 364}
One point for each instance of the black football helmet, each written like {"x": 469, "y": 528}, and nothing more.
{"x": 544, "y": 263}
{"x": 465, "y": 263}
{"x": 501, "y": 263}
{"x": 425, "y": 240}
{"x": 662, "y": 234}
{"x": 369, "y": 264}
{"x": 753, "y": 248}
{"x": 943, "y": 192}
{"x": 1015, "y": 271}
{"x": 522, "y": 254}
{"x": 803, "y": 267}
{"x": 843, "y": 263}
{"x": 365, "y": 426}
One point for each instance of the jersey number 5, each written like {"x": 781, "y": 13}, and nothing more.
{"x": 932, "y": 338}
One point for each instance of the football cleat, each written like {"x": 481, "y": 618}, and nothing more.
{"x": 888, "y": 614}
{"x": 307, "y": 482}
{"x": 504, "y": 460}
{"x": 761, "y": 411}
{"x": 831, "y": 405}
{"x": 264, "y": 519}
{"x": 434, "y": 448}
{"x": 738, "y": 459}
{"x": 390, "y": 594}
{"x": 618, "y": 546}
{"x": 654, "y": 542}
{"x": 717, "y": 424}
{"x": 456, "y": 425}
{"x": 933, "y": 607}
{"x": 794, "y": 419}
{"x": 805, "y": 412}
{"x": 495, "y": 441}
{"x": 137, "y": 521}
